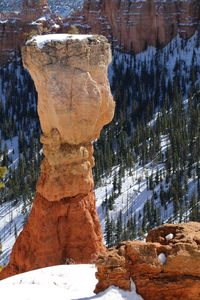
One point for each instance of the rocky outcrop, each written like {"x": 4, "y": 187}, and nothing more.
{"x": 136, "y": 24}
{"x": 74, "y": 103}
{"x": 165, "y": 267}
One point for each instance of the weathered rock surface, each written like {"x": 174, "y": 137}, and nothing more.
{"x": 74, "y": 103}
{"x": 165, "y": 267}
{"x": 136, "y": 24}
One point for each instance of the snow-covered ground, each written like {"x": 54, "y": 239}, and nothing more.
{"x": 62, "y": 7}
{"x": 178, "y": 54}
{"x": 65, "y": 282}
{"x": 12, "y": 218}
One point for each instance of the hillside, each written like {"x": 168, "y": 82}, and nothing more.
{"x": 62, "y": 7}
{"x": 145, "y": 173}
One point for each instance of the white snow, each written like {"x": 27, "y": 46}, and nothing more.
{"x": 169, "y": 237}
{"x": 162, "y": 258}
{"x": 41, "y": 40}
{"x": 12, "y": 219}
{"x": 65, "y": 282}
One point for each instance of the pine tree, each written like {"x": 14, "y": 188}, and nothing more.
{"x": 109, "y": 231}
{"x": 119, "y": 228}
{"x": 195, "y": 208}
{"x": 0, "y": 247}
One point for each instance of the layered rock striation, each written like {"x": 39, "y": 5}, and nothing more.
{"x": 165, "y": 267}
{"x": 74, "y": 103}
{"x": 135, "y": 24}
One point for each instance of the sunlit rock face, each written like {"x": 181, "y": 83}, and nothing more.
{"x": 74, "y": 103}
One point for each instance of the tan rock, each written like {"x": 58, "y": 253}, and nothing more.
{"x": 74, "y": 103}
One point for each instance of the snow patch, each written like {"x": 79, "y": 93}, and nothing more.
{"x": 41, "y": 40}
{"x": 162, "y": 258}
{"x": 169, "y": 237}
{"x": 65, "y": 282}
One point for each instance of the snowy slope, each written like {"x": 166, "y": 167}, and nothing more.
{"x": 62, "y": 7}
{"x": 12, "y": 217}
{"x": 65, "y": 282}
{"x": 134, "y": 192}
{"x": 179, "y": 52}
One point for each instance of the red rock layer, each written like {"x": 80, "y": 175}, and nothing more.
{"x": 177, "y": 278}
{"x": 54, "y": 235}
{"x": 136, "y": 24}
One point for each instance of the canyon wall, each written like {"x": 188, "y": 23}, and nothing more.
{"x": 74, "y": 103}
{"x": 132, "y": 25}
{"x": 165, "y": 267}
{"x": 136, "y": 24}
{"x": 16, "y": 26}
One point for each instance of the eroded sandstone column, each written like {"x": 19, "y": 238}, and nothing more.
{"x": 74, "y": 103}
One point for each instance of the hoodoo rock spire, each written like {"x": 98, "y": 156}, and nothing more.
{"x": 74, "y": 103}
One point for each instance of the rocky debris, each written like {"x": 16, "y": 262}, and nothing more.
{"x": 74, "y": 103}
{"x": 167, "y": 269}
{"x": 136, "y": 24}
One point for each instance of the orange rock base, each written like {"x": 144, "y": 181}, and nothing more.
{"x": 66, "y": 231}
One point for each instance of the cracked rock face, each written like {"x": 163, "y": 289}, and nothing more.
{"x": 165, "y": 267}
{"x": 74, "y": 103}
